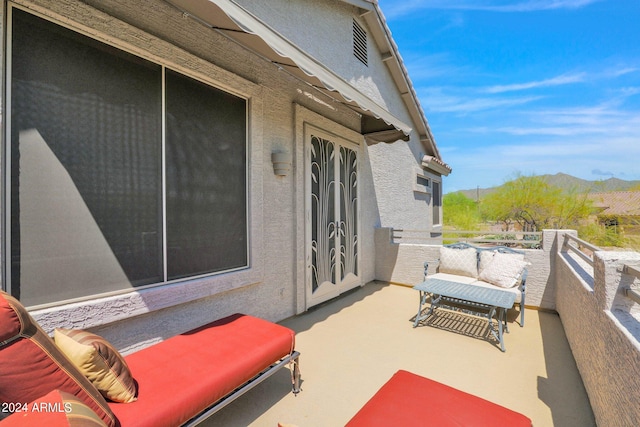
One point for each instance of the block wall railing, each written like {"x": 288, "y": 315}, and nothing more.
{"x": 597, "y": 299}
{"x": 400, "y": 261}
{"x": 595, "y": 292}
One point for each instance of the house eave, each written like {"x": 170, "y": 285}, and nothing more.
{"x": 436, "y": 165}
{"x": 391, "y": 56}
{"x": 240, "y": 25}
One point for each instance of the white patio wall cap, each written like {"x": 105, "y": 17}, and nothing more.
{"x": 436, "y": 165}
{"x": 265, "y": 41}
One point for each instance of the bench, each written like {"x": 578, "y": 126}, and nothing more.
{"x": 179, "y": 381}
{"x": 499, "y": 267}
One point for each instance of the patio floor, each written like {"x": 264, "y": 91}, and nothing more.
{"x": 351, "y": 346}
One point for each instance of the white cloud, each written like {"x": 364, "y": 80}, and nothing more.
{"x": 554, "y": 81}
{"x": 435, "y": 100}
{"x": 617, "y": 72}
{"x": 395, "y": 8}
{"x": 424, "y": 67}
{"x": 605, "y": 119}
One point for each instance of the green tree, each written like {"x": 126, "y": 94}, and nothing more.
{"x": 460, "y": 211}
{"x": 534, "y": 204}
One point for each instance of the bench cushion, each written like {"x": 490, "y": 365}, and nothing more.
{"x": 410, "y": 400}
{"x": 33, "y": 366}
{"x": 515, "y": 290}
{"x": 180, "y": 377}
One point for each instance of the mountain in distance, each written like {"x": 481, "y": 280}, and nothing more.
{"x": 568, "y": 182}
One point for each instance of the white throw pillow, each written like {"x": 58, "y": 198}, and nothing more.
{"x": 504, "y": 270}
{"x": 463, "y": 262}
{"x": 486, "y": 256}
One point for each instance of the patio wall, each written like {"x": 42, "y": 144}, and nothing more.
{"x": 603, "y": 329}
{"x": 601, "y": 323}
{"x": 402, "y": 263}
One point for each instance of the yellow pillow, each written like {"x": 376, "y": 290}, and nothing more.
{"x": 100, "y": 362}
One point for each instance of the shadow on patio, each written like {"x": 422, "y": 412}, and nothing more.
{"x": 351, "y": 346}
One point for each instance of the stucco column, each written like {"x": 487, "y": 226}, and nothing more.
{"x": 610, "y": 281}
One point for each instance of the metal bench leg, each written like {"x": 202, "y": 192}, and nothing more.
{"x": 423, "y": 300}
{"x": 500, "y": 316}
{"x": 522, "y": 311}
{"x": 505, "y": 311}
{"x": 500, "y": 331}
{"x": 423, "y": 297}
{"x": 295, "y": 376}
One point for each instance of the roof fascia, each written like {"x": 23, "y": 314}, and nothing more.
{"x": 251, "y": 24}
{"x": 381, "y": 33}
{"x": 362, "y": 4}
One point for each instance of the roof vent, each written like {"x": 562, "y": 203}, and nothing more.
{"x": 359, "y": 43}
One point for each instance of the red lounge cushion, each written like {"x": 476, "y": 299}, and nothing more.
{"x": 55, "y": 409}
{"x": 410, "y": 400}
{"x": 32, "y": 365}
{"x": 180, "y": 377}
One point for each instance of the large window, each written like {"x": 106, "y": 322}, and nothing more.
{"x": 122, "y": 173}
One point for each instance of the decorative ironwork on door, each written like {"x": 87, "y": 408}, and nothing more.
{"x": 323, "y": 224}
{"x": 348, "y": 229}
{"x": 334, "y": 214}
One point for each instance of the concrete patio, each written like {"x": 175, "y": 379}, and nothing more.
{"x": 351, "y": 346}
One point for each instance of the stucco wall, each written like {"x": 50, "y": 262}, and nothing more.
{"x": 402, "y": 263}
{"x": 393, "y": 165}
{"x": 394, "y": 174}
{"x": 602, "y": 330}
{"x": 332, "y": 20}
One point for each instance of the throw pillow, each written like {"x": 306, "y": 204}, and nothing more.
{"x": 504, "y": 270}
{"x": 486, "y": 256}
{"x": 463, "y": 262}
{"x": 100, "y": 362}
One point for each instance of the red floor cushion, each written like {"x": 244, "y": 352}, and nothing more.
{"x": 180, "y": 377}
{"x": 410, "y": 400}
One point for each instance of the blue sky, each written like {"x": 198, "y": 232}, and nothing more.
{"x": 525, "y": 87}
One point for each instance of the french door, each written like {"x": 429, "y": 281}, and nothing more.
{"x": 332, "y": 216}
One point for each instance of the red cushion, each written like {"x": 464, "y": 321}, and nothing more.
{"x": 32, "y": 365}
{"x": 180, "y": 377}
{"x": 410, "y": 400}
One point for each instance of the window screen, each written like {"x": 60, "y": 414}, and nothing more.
{"x": 85, "y": 159}
{"x": 206, "y": 179}
{"x": 86, "y": 181}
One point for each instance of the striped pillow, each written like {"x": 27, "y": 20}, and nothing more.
{"x": 100, "y": 362}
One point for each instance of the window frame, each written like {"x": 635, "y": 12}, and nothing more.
{"x": 436, "y": 192}
{"x": 200, "y": 285}
{"x": 419, "y": 187}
